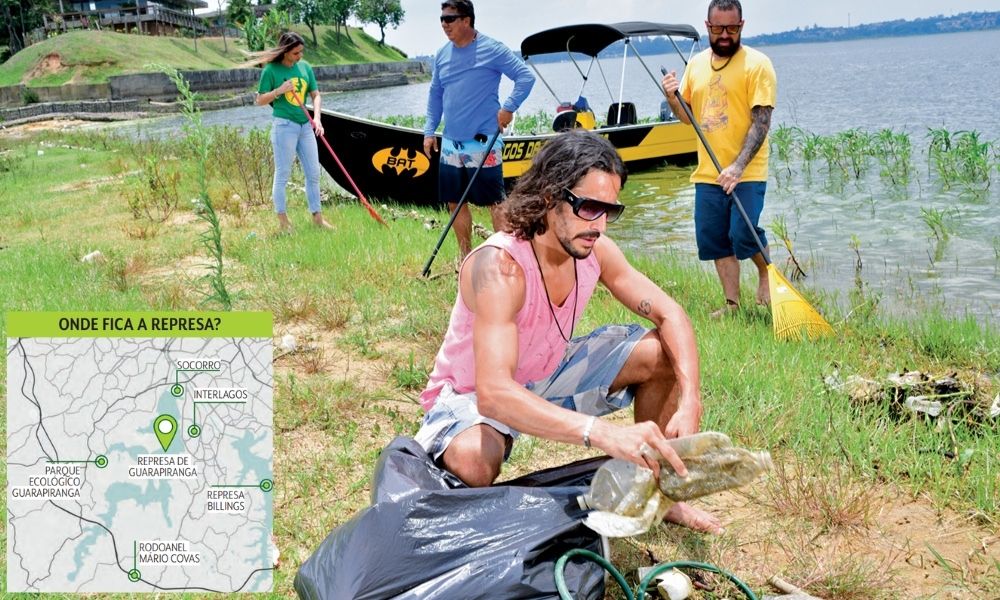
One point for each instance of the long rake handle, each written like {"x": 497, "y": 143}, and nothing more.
{"x": 718, "y": 167}
{"x": 343, "y": 169}
{"x": 458, "y": 207}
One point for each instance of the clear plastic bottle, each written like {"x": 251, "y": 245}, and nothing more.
{"x": 713, "y": 465}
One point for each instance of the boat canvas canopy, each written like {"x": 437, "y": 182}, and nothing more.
{"x": 591, "y": 38}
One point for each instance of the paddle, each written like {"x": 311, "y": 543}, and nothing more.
{"x": 371, "y": 211}
{"x": 458, "y": 207}
{"x": 791, "y": 314}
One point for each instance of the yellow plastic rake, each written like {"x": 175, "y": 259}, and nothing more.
{"x": 792, "y": 316}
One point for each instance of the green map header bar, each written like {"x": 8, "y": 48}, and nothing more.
{"x": 140, "y": 324}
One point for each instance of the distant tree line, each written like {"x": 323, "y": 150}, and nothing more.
{"x": 311, "y": 13}
{"x": 970, "y": 21}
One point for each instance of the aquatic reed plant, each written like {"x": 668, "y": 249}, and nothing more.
{"x": 972, "y": 158}
{"x": 935, "y": 221}
{"x": 782, "y": 143}
{"x": 893, "y": 152}
{"x": 856, "y": 148}
{"x": 780, "y": 229}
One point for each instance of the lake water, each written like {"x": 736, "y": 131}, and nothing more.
{"x": 906, "y": 84}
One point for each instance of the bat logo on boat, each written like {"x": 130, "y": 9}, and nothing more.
{"x": 400, "y": 161}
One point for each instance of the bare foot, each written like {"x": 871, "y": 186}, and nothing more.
{"x": 764, "y": 290}
{"x": 729, "y": 308}
{"x": 693, "y": 518}
{"x": 321, "y": 222}
{"x": 284, "y": 225}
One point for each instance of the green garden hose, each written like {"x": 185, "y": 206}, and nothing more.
{"x": 641, "y": 591}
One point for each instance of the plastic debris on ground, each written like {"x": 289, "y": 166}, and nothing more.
{"x": 627, "y": 501}
{"x": 959, "y": 396}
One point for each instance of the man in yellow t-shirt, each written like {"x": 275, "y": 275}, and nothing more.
{"x": 731, "y": 90}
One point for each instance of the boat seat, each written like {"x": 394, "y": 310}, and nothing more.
{"x": 628, "y": 114}
{"x": 565, "y": 121}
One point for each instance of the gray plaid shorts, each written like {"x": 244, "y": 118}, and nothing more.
{"x": 581, "y": 383}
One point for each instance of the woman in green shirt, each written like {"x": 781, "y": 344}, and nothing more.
{"x": 284, "y": 83}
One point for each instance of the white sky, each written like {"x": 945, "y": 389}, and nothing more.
{"x": 512, "y": 20}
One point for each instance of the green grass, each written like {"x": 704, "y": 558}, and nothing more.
{"x": 94, "y": 56}
{"x": 375, "y": 326}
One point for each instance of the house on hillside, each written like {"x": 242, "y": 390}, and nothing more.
{"x": 151, "y": 17}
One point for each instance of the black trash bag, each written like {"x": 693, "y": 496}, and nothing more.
{"x": 426, "y": 535}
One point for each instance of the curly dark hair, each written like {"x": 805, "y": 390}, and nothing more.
{"x": 562, "y": 162}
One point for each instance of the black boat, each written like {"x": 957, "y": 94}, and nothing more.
{"x": 387, "y": 161}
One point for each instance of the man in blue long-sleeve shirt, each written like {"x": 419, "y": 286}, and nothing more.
{"x": 465, "y": 88}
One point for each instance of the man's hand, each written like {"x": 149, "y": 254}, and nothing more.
{"x": 729, "y": 177}
{"x": 504, "y": 117}
{"x": 685, "y": 421}
{"x": 639, "y": 443}
{"x": 430, "y": 145}
{"x": 670, "y": 84}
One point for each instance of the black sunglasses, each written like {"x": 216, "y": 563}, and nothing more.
{"x": 731, "y": 29}
{"x": 589, "y": 209}
{"x": 451, "y": 18}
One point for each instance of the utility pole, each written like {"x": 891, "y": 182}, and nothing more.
{"x": 848, "y": 20}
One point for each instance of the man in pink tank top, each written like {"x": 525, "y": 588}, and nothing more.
{"x": 509, "y": 363}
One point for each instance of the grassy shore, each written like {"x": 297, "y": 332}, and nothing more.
{"x": 868, "y": 500}
{"x": 93, "y": 56}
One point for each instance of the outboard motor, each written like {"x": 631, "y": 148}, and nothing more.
{"x": 665, "y": 113}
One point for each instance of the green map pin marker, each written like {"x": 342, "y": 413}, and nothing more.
{"x": 165, "y": 428}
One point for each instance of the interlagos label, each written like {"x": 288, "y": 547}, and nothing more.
{"x": 163, "y": 466}
{"x": 55, "y": 482}
{"x": 232, "y": 501}
{"x": 176, "y": 553}
{"x": 220, "y": 394}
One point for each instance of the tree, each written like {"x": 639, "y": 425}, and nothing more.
{"x": 18, "y": 18}
{"x": 239, "y": 12}
{"x": 340, "y": 11}
{"x": 310, "y": 12}
{"x": 384, "y": 13}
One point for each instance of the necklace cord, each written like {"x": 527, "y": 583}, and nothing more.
{"x": 711, "y": 63}
{"x": 548, "y": 298}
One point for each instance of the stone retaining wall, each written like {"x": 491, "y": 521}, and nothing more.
{"x": 157, "y": 86}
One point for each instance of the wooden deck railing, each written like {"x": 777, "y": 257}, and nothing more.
{"x": 138, "y": 17}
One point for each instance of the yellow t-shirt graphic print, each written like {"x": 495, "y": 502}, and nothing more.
{"x": 297, "y": 95}
{"x": 715, "y": 106}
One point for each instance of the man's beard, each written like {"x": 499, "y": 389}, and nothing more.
{"x": 567, "y": 245}
{"x": 725, "y": 51}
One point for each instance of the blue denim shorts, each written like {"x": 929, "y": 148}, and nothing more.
{"x": 459, "y": 161}
{"x": 581, "y": 383}
{"x": 719, "y": 228}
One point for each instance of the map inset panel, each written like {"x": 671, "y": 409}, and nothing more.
{"x": 140, "y": 464}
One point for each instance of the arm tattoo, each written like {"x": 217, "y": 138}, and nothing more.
{"x": 760, "y": 117}
{"x": 645, "y": 307}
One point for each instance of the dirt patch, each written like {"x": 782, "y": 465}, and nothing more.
{"x": 47, "y": 65}
{"x": 54, "y": 124}
{"x": 87, "y": 184}
{"x": 321, "y": 351}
